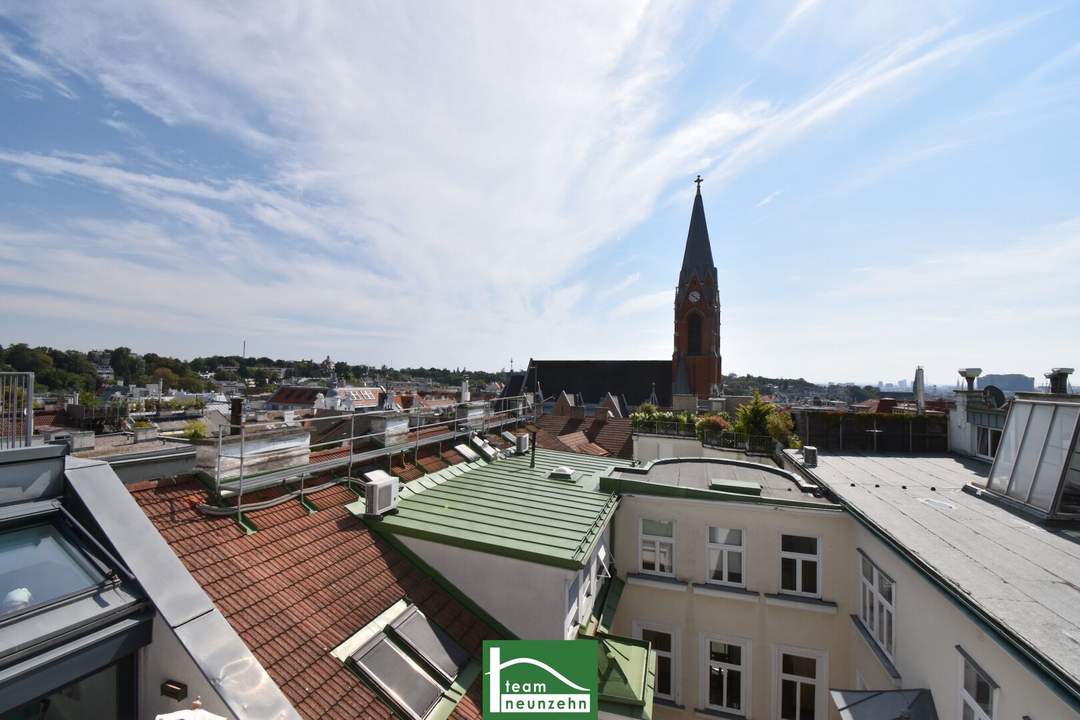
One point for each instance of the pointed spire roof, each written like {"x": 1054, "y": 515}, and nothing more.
{"x": 697, "y": 257}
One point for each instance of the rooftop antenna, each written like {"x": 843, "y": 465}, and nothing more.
{"x": 243, "y": 351}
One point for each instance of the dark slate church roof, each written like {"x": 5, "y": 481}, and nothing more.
{"x": 697, "y": 257}
{"x": 592, "y": 379}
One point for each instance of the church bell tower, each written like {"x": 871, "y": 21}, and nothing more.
{"x": 695, "y": 364}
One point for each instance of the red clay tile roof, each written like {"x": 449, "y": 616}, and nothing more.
{"x": 615, "y": 435}
{"x": 300, "y": 586}
{"x": 548, "y": 441}
{"x": 452, "y": 456}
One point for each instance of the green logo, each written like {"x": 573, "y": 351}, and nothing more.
{"x": 545, "y": 679}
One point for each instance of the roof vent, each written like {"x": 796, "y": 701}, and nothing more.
{"x": 809, "y": 454}
{"x": 1059, "y": 380}
{"x": 561, "y": 473}
{"x": 380, "y": 493}
{"x": 970, "y": 374}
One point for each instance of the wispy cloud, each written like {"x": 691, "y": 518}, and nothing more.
{"x": 768, "y": 198}
{"x": 643, "y": 303}
{"x": 624, "y": 284}
{"x": 30, "y": 70}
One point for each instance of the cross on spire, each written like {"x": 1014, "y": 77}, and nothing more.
{"x": 698, "y": 182}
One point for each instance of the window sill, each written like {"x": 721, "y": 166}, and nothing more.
{"x": 656, "y": 581}
{"x": 878, "y": 652}
{"x": 667, "y": 703}
{"x": 710, "y": 713}
{"x": 729, "y": 592}
{"x": 802, "y": 603}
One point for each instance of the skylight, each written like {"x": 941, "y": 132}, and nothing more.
{"x": 410, "y": 659}
{"x": 40, "y": 566}
{"x": 1038, "y": 461}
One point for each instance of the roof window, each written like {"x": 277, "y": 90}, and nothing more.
{"x": 409, "y": 659}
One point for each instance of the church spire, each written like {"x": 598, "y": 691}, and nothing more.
{"x": 697, "y": 257}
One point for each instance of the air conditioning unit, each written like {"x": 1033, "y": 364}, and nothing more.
{"x": 380, "y": 493}
{"x": 522, "y": 444}
{"x": 809, "y": 456}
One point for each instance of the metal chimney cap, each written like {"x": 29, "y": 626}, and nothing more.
{"x": 1058, "y": 371}
{"x": 970, "y": 372}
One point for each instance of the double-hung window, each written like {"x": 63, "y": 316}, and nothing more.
{"x": 800, "y": 686}
{"x": 658, "y": 546}
{"x": 726, "y": 556}
{"x": 800, "y": 565}
{"x": 728, "y": 666}
{"x": 877, "y": 604}
{"x": 663, "y": 644}
{"x": 977, "y": 691}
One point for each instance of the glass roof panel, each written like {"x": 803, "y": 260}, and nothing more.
{"x": 1027, "y": 461}
{"x": 1055, "y": 457}
{"x": 432, "y": 643}
{"x": 1009, "y": 447}
{"x": 408, "y": 685}
{"x": 39, "y": 565}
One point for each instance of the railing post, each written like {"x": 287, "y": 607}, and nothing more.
{"x": 29, "y": 425}
{"x": 240, "y": 496}
{"x": 217, "y": 477}
{"x": 352, "y": 439}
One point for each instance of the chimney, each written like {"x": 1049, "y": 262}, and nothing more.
{"x": 465, "y": 394}
{"x": 920, "y": 391}
{"x": 236, "y": 416}
{"x": 970, "y": 374}
{"x": 1059, "y": 380}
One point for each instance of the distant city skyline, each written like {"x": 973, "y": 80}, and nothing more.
{"x": 886, "y": 185}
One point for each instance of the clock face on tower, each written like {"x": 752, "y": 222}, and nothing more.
{"x": 695, "y": 296}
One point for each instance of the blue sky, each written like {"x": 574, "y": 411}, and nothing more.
{"x": 459, "y": 184}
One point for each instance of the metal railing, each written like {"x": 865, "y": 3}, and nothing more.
{"x": 723, "y": 439}
{"x": 514, "y": 410}
{"x": 16, "y": 409}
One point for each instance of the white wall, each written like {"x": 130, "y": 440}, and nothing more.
{"x": 961, "y": 432}
{"x": 166, "y": 659}
{"x": 528, "y": 598}
{"x": 656, "y": 447}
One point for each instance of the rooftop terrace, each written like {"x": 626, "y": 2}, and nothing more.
{"x": 715, "y": 479}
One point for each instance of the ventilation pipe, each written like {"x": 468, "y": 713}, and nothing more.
{"x": 970, "y": 374}
{"x": 236, "y": 416}
{"x": 1059, "y": 380}
{"x": 920, "y": 391}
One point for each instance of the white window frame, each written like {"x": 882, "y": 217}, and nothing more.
{"x": 724, "y": 548}
{"x": 644, "y": 537}
{"x": 820, "y": 682}
{"x": 639, "y": 627}
{"x": 988, "y": 430}
{"x": 799, "y": 559}
{"x": 884, "y": 635}
{"x": 746, "y": 669}
{"x": 573, "y": 610}
{"x": 965, "y": 698}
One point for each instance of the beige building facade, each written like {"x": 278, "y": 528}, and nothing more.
{"x": 761, "y": 596}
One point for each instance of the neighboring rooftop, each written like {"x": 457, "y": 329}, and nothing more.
{"x": 507, "y": 508}
{"x": 716, "y": 479}
{"x": 614, "y": 435}
{"x": 633, "y": 381}
{"x": 301, "y": 586}
{"x": 1020, "y": 574}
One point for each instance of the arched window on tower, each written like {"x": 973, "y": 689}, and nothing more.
{"x": 693, "y": 334}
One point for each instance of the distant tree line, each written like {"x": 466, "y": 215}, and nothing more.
{"x": 75, "y": 371}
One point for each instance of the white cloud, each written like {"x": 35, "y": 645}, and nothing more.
{"x": 31, "y": 70}
{"x": 643, "y": 303}
{"x": 768, "y": 198}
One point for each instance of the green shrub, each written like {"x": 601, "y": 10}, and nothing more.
{"x": 196, "y": 430}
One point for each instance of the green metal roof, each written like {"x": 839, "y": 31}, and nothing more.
{"x": 627, "y": 676}
{"x": 507, "y": 508}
